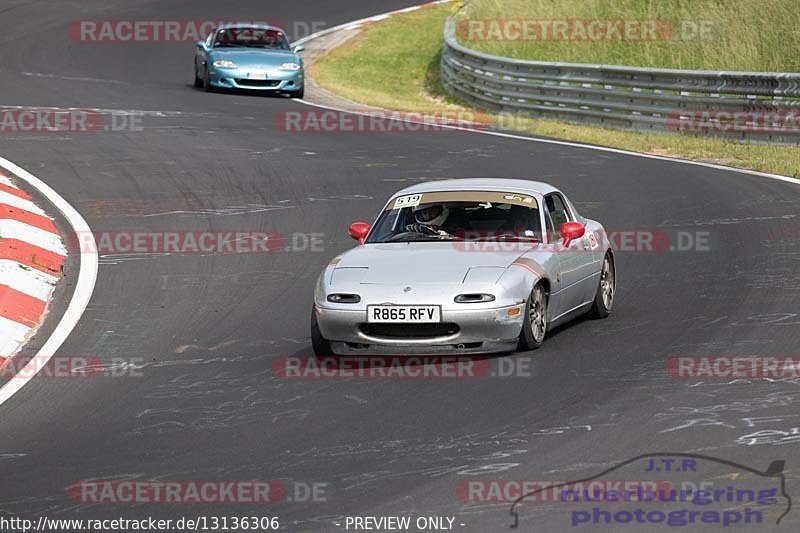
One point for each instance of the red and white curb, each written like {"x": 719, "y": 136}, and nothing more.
{"x": 84, "y": 282}
{"x": 32, "y": 257}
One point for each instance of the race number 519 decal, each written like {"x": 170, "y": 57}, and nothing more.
{"x": 412, "y": 200}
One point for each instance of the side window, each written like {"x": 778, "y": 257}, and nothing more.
{"x": 556, "y": 213}
{"x": 210, "y": 38}
{"x": 548, "y": 226}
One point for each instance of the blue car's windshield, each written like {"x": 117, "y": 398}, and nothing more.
{"x": 251, "y": 38}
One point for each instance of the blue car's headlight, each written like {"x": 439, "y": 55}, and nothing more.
{"x": 290, "y": 66}
{"x": 222, "y": 63}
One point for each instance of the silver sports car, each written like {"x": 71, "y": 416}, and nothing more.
{"x": 461, "y": 267}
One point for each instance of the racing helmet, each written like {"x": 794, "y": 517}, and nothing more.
{"x": 431, "y": 214}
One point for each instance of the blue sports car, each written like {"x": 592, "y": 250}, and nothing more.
{"x": 249, "y": 56}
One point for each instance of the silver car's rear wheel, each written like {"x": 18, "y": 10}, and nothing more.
{"x": 607, "y": 286}
{"x": 534, "y": 327}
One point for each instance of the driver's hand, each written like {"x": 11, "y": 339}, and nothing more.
{"x": 422, "y": 228}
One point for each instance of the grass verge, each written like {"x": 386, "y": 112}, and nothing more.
{"x": 746, "y": 35}
{"x": 394, "y": 64}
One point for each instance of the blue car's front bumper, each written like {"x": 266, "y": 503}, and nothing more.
{"x": 239, "y": 78}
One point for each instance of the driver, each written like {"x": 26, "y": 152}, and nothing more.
{"x": 430, "y": 218}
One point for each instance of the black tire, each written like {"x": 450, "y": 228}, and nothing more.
{"x": 320, "y": 345}
{"x": 207, "y": 82}
{"x": 198, "y": 81}
{"x": 532, "y": 337}
{"x": 606, "y": 289}
{"x": 300, "y": 93}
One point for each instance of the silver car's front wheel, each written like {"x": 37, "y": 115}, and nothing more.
{"x": 319, "y": 344}
{"x": 606, "y": 289}
{"x": 534, "y": 327}
{"x": 538, "y": 314}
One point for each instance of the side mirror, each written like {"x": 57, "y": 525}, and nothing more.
{"x": 571, "y": 231}
{"x": 359, "y": 231}
{"x": 200, "y": 44}
{"x": 299, "y": 48}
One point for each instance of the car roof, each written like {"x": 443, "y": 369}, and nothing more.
{"x": 229, "y": 25}
{"x": 481, "y": 184}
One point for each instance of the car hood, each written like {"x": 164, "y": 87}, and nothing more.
{"x": 421, "y": 262}
{"x": 246, "y": 57}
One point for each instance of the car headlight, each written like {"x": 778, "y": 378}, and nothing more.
{"x": 290, "y": 66}
{"x": 222, "y": 63}
{"x": 474, "y": 298}
{"x": 344, "y": 298}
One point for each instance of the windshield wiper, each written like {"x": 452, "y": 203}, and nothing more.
{"x": 521, "y": 238}
{"x": 413, "y": 236}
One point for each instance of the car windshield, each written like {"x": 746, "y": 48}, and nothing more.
{"x": 459, "y": 215}
{"x": 251, "y": 37}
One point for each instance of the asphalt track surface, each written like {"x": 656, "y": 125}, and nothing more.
{"x": 208, "y": 406}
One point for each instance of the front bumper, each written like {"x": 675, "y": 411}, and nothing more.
{"x": 484, "y": 330}
{"x": 278, "y": 80}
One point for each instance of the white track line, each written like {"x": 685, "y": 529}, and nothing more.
{"x": 787, "y": 179}
{"x": 519, "y": 137}
{"x": 87, "y": 276}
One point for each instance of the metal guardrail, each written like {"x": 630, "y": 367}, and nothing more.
{"x": 751, "y": 106}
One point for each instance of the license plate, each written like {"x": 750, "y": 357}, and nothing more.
{"x": 258, "y": 75}
{"x": 404, "y": 313}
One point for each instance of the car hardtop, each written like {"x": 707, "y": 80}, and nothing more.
{"x": 233, "y": 25}
{"x": 518, "y": 186}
